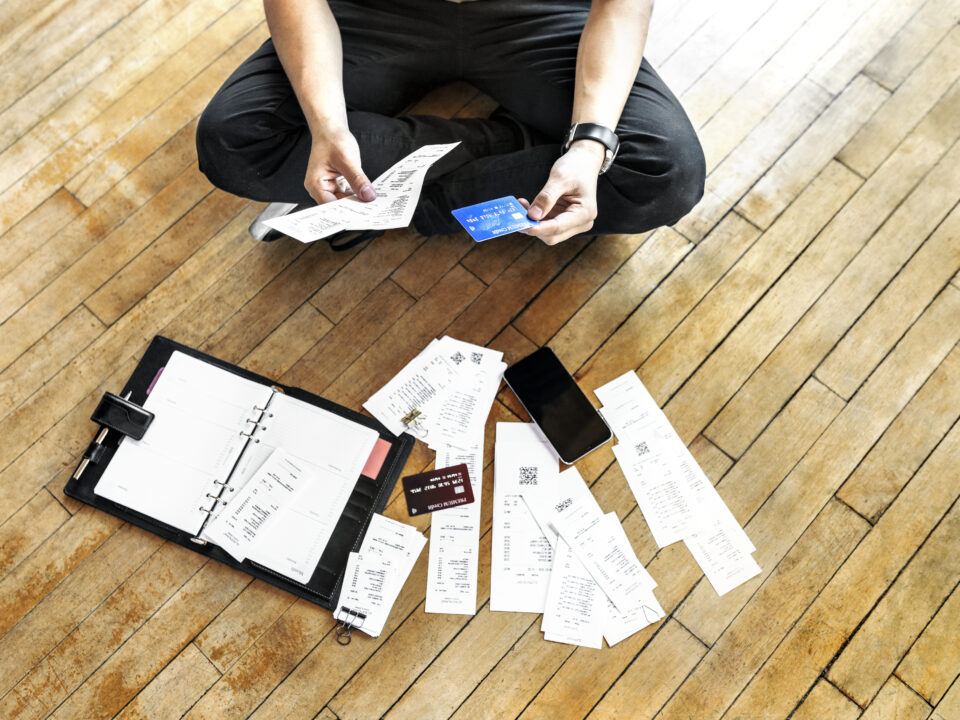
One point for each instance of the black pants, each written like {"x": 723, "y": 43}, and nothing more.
{"x": 253, "y": 141}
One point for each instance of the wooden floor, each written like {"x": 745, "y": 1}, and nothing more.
{"x": 800, "y": 328}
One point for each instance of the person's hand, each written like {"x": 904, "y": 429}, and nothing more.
{"x": 567, "y": 205}
{"x": 334, "y": 167}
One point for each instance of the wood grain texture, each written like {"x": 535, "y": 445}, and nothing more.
{"x": 799, "y": 328}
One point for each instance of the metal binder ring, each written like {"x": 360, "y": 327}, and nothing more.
{"x": 343, "y": 634}
{"x": 219, "y": 482}
{"x": 203, "y": 509}
{"x": 246, "y": 435}
{"x": 259, "y": 409}
{"x": 214, "y": 497}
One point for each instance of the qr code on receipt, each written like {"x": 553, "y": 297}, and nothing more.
{"x": 528, "y": 475}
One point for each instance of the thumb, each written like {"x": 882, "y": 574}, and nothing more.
{"x": 359, "y": 183}
{"x": 543, "y": 203}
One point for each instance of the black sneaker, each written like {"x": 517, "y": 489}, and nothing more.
{"x": 351, "y": 238}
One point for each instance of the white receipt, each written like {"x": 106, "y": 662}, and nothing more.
{"x": 521, "y": 555}
{"x": 604, "y": 549}
{"x": 376, "y": 574}
{"x": 240, "y": 525}
{"x": 673, "y": 493}
{"x": 451, "y": 384}
{"x": 548, "y": 500}
{"x": 722, "y": 557}
{"x": 398, "y": 190}
{"x": 455, "y": 541}
{"x": 620, "y": 626}
{"x": 576, "y": 608}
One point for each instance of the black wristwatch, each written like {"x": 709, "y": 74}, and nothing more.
{"x": 603, "y": 135}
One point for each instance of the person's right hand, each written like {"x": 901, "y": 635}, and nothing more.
{"x": 335, "y": 153}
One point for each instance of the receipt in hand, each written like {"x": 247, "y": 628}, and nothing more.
{"x": 398, "y": 190}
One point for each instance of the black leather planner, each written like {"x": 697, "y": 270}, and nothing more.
{"x": 369, "y": 495}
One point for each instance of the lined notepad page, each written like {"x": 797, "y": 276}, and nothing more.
{"x": 195, "y": 439}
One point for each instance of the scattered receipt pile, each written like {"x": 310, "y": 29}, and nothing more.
{"x": 443, "y": 397}
{"x": 376, "y": 574}
{"x": 676, "y": 498}
{"x": 398, "y": 190}
{"x": 554, "y": 550}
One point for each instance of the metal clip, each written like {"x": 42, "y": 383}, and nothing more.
{"x": 412, "y": 421}
{"x": 348, "y": 624}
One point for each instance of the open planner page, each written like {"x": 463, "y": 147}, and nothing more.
{"x": 326, "y": 453}
{"x": 193, "y": 443}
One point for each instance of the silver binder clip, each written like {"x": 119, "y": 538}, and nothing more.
{"x": 348, "y": 624}
{"x": 413, "y": 422}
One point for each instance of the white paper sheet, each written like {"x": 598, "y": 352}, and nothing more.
{"x": 521, "y": 556}
{"x": 376, "y": 574}
{"x": 722, "y": 558}
{"x": 194, "y": 440}
{"x": 455, "y": 541}
{"x": 398, "y": 191}
{"x": 673, "y": 493}
{"x": 605, "y": 551}
{"x": 246, "y": 519}
{"x": 620, "y": 626}
{"x": 576, "y": 608}
{"x": 451, "y": 383}
{"x": 548, "y": 500}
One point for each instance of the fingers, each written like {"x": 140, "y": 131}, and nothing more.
{"x": 359, "y": 182}
{"x": 574, "y": 220}
{"x": 543, "y": 203}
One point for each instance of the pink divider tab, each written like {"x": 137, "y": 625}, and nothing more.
{"x": 377, "y": 456}
{"x": 154, "y": 382}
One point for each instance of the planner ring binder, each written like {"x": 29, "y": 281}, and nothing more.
{"x": 153, "y": 507}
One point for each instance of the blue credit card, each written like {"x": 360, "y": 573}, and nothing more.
{"x": 493, "y": 218}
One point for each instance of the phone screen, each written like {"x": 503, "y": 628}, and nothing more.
{"x": 557, "y": 405}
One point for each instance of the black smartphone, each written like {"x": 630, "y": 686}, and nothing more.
{"x": 557, "y": 405}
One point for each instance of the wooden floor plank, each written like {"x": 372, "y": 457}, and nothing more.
{"x": 41, "y": 49}
{"x": 98, "y": 176}
{"x": 804, "y": 347}
{"x": 707, "y": 326}
{"x": 931, "y": 664}
{"x": 104, "y": 630}
{"x": 749, "y": 160}
{"x": 635, "y": 280}
{"x": 22, "y": 153}
{"x": 892, "y": 626}
{"x": 825, "y": 701}
{"x": 102, "y": 54}
{"x": 733, "y": 659}
{"x": 23, "y": 194}
{"x": 812, "y": 151}
{"x": 861, "y": 42}
{"x": 949, "y": 707}
{"x": 755, "y": 477}
{"x": 53, "y": 253}
{"x": 29, "y": 527}
{"x": 575, "y": 284}
{"x": 806, "y": 489}
{"x": 174, "y": 689}
{"x": 795, "y": 665}
{"x": 894, "y": 309}
{"x": 906, "y": 443}
{"x": 710, "y": 42}
{"x": 905, "y": 50}
{"x": 661, "y": 667}
{"x": 906, "y": 107}
{"x": 154, "y": 644}
{"x": 896, "y": 700}
{"x": 20, "y": 240}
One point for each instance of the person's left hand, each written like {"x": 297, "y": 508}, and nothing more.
{"x": 567, "y": 205}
